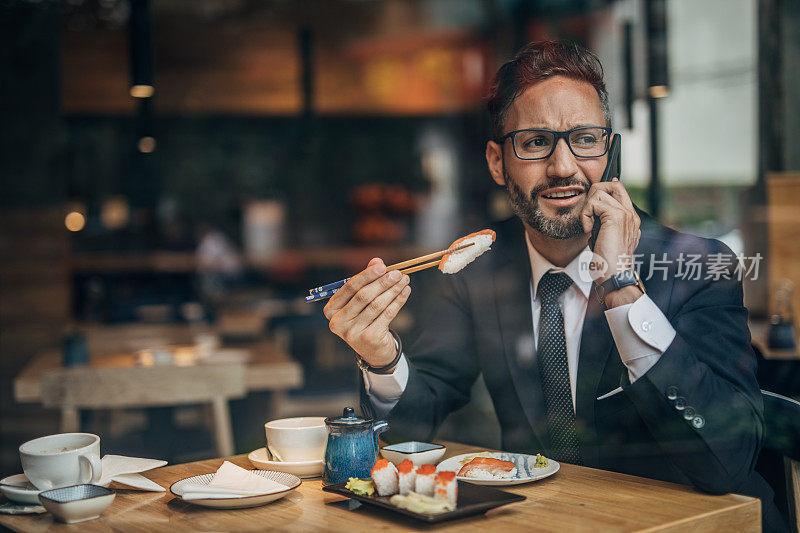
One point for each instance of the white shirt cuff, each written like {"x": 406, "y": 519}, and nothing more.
{"x": 385, "y": 390}
{"x": 641, "y": 332}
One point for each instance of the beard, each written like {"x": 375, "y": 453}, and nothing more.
{"x": 566, "y": 224}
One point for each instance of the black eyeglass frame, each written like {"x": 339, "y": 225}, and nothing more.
{"x": 558, "y": 136}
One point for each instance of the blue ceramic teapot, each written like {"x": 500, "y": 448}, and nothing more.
{"x": 352, "y": 446}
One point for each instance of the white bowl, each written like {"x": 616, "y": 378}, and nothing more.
{"x": 298, "y": 439}
{"x": 77, "y": 503}
{"x": 419, "y": 453}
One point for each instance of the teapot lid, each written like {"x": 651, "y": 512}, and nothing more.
{"x": 348, "y": 418}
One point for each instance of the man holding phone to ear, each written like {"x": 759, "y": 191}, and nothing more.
{"x": 589, "y": 367}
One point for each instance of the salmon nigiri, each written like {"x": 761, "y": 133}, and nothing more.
{"x": 488, "y": 467}
{"x": 482, "y": 240}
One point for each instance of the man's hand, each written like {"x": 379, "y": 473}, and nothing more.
{"x": 361, "y": 311}
{"x": 619, "y": 225}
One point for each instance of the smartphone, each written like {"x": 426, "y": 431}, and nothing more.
{"x": 613, "y": 170}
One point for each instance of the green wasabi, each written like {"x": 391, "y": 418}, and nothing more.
{"x": 362, "y": 487}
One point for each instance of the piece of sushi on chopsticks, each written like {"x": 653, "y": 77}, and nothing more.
{"x": 481, "y": 242}
{"x": 458, "y": 255}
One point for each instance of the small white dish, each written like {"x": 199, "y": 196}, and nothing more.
{"x": 77, "y": 503}
{"x": 419, "y": 453}
{"x": 18, "y": 489}
{"x": 238, "y": 502}
{"x": 304, "y": 469}
{"x": 526, "y": 471}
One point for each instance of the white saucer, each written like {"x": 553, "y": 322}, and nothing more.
{"x": 304, "y": 469}
{"x": 238, "y": 502}
{"x": 27, "y": 493}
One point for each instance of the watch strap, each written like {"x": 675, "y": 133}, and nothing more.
{"x": 616, "y": 282}
{"x": 385, "y": 369}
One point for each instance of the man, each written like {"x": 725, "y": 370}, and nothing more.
{"x": 656, "y": 380}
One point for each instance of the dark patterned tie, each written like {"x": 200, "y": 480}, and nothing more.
{"x": 554, "y": 370}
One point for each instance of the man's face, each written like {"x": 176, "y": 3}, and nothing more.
{"x": 557, "y": 103}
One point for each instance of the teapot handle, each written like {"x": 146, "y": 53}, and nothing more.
{"x": 377, "y": 428}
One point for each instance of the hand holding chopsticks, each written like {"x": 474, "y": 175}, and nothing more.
{"x": 405, "y": 267}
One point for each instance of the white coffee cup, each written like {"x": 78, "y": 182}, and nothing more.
{"x": 297, "y": 439}
{"x": 61, "y": 460}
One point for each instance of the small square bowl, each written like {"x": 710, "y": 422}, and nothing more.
{"x": 419, "y": 453}
{"x": 77, "y": 503}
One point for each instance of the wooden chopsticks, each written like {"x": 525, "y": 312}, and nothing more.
{"x": 406, "y": 267}
{"x": 421, "y": 267}
{"x": 434, "y": 255}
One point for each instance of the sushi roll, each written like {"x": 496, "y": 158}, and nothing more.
{"x": 447, "y": 487}
{"x": 407, "y": 476}
{"x": 384, "y": 475}
{"x": 426, "y": 480}
{"x": 453, "y": 262}
{"x": 488, "y": 468}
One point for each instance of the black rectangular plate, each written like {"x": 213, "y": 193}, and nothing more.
{"x": 472, "y": 500}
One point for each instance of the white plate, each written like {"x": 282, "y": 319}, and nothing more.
{"x": 291, "y": 482}
{"x": 25, "y": 494}
{"x": 305, "y": 469}
{"x": 526, "y": 472}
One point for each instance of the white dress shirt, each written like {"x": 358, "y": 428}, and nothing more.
{"x": 640, "y": 330}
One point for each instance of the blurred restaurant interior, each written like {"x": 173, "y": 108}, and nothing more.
{"x": 177, "y": 173}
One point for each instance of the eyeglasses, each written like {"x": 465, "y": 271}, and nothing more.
{"x": 586, "y": 141}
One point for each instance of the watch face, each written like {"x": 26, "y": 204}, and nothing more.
{"x": 623, "y": 279}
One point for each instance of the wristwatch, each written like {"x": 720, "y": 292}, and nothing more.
{"x": 385, "y": 369}
{"x": 616, "y": 282}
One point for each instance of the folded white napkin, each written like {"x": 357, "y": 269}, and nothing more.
{"x": 125, "y": 470}
{"x": 231, "y": 481}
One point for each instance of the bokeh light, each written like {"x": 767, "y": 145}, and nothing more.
{"x": 142, "y": 91}
{"x": 147, "y": 145}
{"x": 75, "y": 221}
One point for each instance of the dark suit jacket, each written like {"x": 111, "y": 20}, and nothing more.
{"x": 481, "y": 322}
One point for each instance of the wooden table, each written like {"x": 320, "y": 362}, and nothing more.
{"x": 269, "y": 368}
{"x": 574, "y": 499}
{"x": 118, "y": 381}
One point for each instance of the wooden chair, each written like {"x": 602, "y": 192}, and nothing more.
{"x": 82, "y": 387}
{"x": 793, "y": 490}
{"x": 782, "y": 417}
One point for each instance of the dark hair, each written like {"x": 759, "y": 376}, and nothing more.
{"x": 536, "y": 62}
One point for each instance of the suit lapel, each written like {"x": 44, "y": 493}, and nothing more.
{"x": 513, "y": 303}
